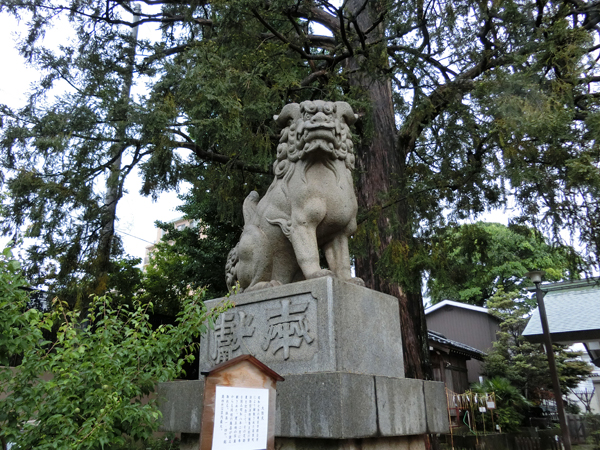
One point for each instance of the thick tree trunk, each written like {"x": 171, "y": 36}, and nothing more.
{"x": 381, "y": 170}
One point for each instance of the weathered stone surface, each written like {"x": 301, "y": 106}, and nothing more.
{"x": 192, "y": 442}
{"x": 436, "y": 407}
{"x": 180, "y": 403}
{"x": 332, "y": 405}
{"x": 379, "y": 443}
{"x": 311, "y": 203}
{"x": 320, "y": 325}
{"x": 326, "y": 405}
{"x": 400, "y": 406}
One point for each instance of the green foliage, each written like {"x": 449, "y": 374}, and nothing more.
{"x": 464, "y": 106}
{"x": 510, "y": 403}
{"x": 191, "y": 258}
{"x": 522, "y": 363}
{"x": 504, "y": 114}
{"x": 469, "y": 263}
{"x": 85, "y": 389}
{"x": 592, "y": 422}
{"x": 12, "y": 299}
{"x": 168, "y": 442}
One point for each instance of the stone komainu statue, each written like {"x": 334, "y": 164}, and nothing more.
{"x": 311, "y": 203}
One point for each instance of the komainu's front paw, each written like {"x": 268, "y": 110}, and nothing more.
{"x": 357, "y": 281}
{"x": 263, "y": 285}
{"x": 320, "y": 273}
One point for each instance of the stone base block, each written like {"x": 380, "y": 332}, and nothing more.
{"x": 436, "y": 407}
{"x": 344, "y": 406}
{"x": 181, "y": 403}
{"x": 328, "y": 406}
{"x": 321, "y": 325}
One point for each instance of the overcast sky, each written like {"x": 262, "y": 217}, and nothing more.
{"x": 136, "y": 214}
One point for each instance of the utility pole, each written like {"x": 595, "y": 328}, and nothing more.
{"x": 536, "y": 277}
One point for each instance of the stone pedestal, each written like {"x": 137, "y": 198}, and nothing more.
{"x": 339, "y": 348}
{"x": 314, "y": 326}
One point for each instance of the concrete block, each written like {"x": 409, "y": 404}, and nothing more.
{"x": 314, "y": 326}
{"x": 180, "y": 403}
{"x": 326, "y": 405}
{"x": 400, "y": 406}
{"x": 436, "y": 405}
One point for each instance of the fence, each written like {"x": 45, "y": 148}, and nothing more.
{"x": 529, "y": 439}
{"x": 577, "y": 428}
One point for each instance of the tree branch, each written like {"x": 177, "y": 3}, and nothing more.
{"x": 209, "y": 155}
{"x": 286, "y": 41}
{"x": 164, "y": 53}
{"x": 316, "y": 14}
{"x": 312, "y": 77}
{"x": 443, "y": 69}
{"x": 155, "y": 18}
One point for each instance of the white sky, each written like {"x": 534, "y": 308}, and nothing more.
{"x": 136, "y": 214}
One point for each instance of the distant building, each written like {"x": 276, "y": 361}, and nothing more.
{"x": 470, "y": 325}
{"x": 449, "y": 360}
{"x": 180, "y": 223}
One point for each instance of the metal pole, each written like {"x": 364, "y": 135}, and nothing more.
{"x": 552, "y": 363}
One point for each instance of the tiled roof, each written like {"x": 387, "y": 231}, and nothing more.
{"x": 458, "y": 347}
{"x": 572, "y": 314}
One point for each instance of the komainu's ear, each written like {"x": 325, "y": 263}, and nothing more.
{"x": 345, "y": 110}
{"x": 289, "y": 112}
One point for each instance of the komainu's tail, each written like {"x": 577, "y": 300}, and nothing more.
{"x": 249, "y": 208}
{"x": 231, "y": 277}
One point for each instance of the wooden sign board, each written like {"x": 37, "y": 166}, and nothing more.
{"x": 239, "y": 406}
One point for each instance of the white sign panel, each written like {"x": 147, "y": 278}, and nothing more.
{"x": 241, "y": 418}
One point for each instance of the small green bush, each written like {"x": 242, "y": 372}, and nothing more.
{"x": 592, "y": 423}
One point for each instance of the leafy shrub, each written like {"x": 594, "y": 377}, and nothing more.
{"x": 510, "y": 403}
{"x": 84, "y": 390}
{"x": 592, "y": 423}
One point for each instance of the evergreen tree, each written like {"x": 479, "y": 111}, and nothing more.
{"x": 468, "y": 263}
{"x": 189, "y": 259}
{"x": 463, "y": 104}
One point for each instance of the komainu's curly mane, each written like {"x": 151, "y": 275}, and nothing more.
{"x": 295, "y": 143}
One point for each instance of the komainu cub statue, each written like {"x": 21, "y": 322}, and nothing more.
{"x": 311, "y": 203}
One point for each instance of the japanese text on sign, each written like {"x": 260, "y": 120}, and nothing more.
{"x": 241, "y": 418}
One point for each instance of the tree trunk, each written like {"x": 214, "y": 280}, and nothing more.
{"x": 381, "y": 170}
{"x": 114, "y": 183}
